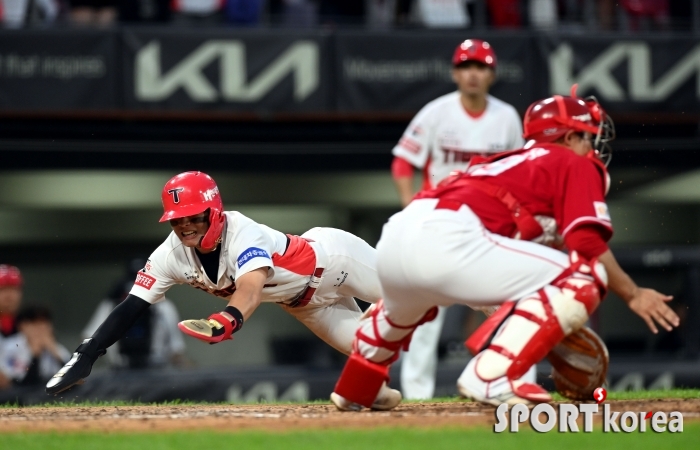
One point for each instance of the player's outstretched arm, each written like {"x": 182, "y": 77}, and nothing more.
{"x": 112, "y": 329}
{"x": 648, "y": 304}
{"x": 221, "y": 326}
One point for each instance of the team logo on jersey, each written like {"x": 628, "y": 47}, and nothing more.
{"x": 176, "y": 194}
{"x": 144, "y": 280}
{"x": 601, "y": 211}
{"x": 250, "y": 253}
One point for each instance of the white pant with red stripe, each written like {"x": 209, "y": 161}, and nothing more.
{"x": 333, "y": 314}
{"x": 438, "y": 257}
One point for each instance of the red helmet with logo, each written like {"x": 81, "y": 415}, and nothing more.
{"x": 192, "y": 193}
{"x": 474, "y": 50}
{"x": 10, "y": 276}
{"x": 549, "y": 119}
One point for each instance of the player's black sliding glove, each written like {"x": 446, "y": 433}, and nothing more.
{"x": 76, "y": 370}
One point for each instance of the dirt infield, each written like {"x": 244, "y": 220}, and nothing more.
{"x": 277, "y": 417}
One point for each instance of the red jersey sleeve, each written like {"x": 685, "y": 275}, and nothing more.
{"x": 588, "y": 240}
{"x": 401, "y": 168}
{"x": 581, "y": 198}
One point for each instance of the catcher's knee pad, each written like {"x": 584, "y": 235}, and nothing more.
{"x": 361, "y": 380}
{"x": 379, "y": 339}
{"x": 537, "y": 322}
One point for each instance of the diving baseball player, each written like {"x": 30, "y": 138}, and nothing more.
{"x": 314, "y": 277}
{"x": 442, "y": 138}
{"x": 455, "y": 245}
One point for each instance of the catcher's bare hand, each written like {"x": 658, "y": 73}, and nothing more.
{"x": 651, "y": 306}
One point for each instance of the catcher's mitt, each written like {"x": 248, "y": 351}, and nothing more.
{"x": 579, "y": 364}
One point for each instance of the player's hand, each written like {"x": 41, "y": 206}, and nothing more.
{"x": 218, "y": 327}
{"x": 72, "y": 374}
{"x": 652, "y": 307}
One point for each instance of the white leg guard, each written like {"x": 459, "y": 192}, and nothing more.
{"x": 379, "y": 340}
{"x": 536, "y": 324}
{"x": 377, "y": 343}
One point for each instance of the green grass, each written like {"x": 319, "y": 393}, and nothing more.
{"x": 375, "y": 439}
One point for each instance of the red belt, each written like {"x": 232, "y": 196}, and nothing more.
{"x": 304, "y": 297}
{"x": 444, "y": 203}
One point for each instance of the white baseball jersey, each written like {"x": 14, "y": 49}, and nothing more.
{"x": 246, "y": 245}
{"x": 443, "y": 137}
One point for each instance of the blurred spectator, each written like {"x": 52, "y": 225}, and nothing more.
{"x": 100, "y": 13}
{"x": 642, "y": 13}
{"x": 606, "y": 14}
{"x": 243, "y": 12}
{"x": 23, "y": 13}
{"x": 505, "y": 13}
{"x": 153, "y": 341}
{"x": 543, "y": 14}
{"x": 341, "y": 12}
{"x": 32, "y": 355}
{"x": 443, "y": 13}
{"x": 381, "y": 14}
{"x": 293, "y": 13}
{"x": 197, "y": 12}
{"x": 151, "y": 11}
{"x": 10, "y": 298}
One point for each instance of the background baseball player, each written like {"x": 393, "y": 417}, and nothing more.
{"x": 453, "y": 244}
{"x": 442, "y": 138}
{"x": 314, "y": 277}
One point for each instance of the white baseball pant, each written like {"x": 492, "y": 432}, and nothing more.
{"x": 333, "y": 314}
{"x": 438, "y": 257}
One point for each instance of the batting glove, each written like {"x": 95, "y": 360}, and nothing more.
{"x": 216, "y": 328}
{"x": 76, "y": 370}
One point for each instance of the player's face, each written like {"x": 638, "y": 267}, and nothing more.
{"x": 473, "y": 79}
{"x": 580, "y": 143}
{"x": 10, "y": 299}
{"x": 191, "y": 229}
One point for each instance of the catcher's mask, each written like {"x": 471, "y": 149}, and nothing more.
{"x": 549, "y": 119}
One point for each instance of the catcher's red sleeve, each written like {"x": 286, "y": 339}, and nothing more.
{"x": 588, "y": 240}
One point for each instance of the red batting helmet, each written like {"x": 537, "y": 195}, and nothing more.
{"x": 10, "y": 276}
{"x": 191, "y": 193}
{"x": 549, "y": 119}
{"x": 474, "y": 50}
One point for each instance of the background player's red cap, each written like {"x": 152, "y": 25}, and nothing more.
{"x": 10, "y": 276}
{"x": 474, "y": 50}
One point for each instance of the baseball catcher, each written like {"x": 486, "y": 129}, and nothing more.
{"x": 456, "y": 244}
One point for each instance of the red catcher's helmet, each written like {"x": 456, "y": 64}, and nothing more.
{"x": 474, "y": 50}
{"x": 189, "y": 194}
{"x": 549, "y": 119}
{"x": 10, "y": 276}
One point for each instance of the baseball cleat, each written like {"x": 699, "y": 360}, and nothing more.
{"x": 344, "y": 404}
{"x": 386, "y": 399}
{"x": 501, "y": 390}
